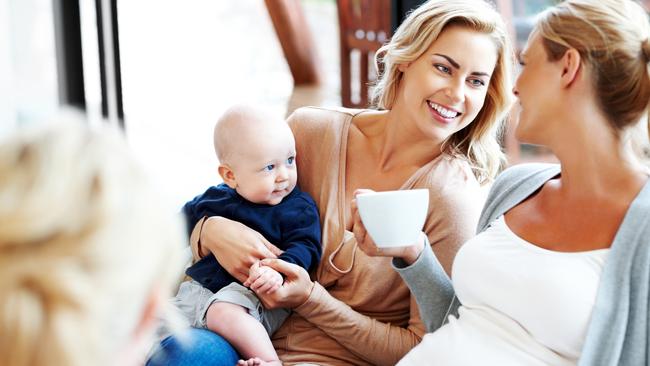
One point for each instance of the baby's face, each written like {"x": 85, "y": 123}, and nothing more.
{"x": 265, "y": 169}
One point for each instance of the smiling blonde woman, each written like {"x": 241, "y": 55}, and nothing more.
{"x": 441, "y": 98}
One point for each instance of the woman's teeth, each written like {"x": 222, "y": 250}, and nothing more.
{"x": 444, "y": 111}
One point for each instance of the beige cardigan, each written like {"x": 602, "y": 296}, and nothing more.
{"x": 360, "y": 311}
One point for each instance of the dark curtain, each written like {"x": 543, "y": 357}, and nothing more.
{"x": 401, "y": 8}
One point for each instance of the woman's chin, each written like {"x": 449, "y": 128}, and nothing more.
{"x": 523, "y": 134}
{"x": 529, "y": 138}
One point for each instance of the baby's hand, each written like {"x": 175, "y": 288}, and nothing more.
{"x": 263, "y": 279}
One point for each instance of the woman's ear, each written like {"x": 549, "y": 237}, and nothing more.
{"x": 228, "y": 176}
{"x": 403, "y": 67}
{"x": 571, "y": 64}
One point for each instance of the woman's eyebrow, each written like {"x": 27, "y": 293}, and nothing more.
{"x": 449, "y": 59}
{"x": 457, "y": 66}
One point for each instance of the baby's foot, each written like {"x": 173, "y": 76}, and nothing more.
{"x": 258, "y": 362}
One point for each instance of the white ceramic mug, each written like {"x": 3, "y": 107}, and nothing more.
{"x": 394, "y": 218}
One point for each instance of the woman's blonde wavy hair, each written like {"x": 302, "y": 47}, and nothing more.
{"x": 83, "y": 245}
{"x": 612, "y": 39}
{"x": 478, "y": 142}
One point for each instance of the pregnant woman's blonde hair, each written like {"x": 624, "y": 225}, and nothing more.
{"x": 612, "y": 37}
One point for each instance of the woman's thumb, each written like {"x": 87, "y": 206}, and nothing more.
{"x": 279, "y": 265}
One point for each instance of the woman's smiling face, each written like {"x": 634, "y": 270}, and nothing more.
{"x": 444, "y": 89}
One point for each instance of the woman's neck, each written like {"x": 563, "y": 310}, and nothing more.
{"x": 399, "y": 142}
{"x": 595, "y": 162}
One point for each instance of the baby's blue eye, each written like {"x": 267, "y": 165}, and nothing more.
{"x": 291, "y": 160}
{"x": 269, "y": 167}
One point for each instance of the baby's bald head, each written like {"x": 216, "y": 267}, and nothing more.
{"x": 241, "y": 127}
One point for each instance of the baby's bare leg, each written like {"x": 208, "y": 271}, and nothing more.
{"x": 242, "y": 331}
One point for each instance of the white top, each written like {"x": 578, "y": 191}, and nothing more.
{"x": 504, "y": 284}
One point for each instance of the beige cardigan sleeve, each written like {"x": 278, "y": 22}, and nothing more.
{"x": 376, "y": 342}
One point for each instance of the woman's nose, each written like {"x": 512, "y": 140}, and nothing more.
{"x": 456, "y": 92}
{"x": 515, "y": 91}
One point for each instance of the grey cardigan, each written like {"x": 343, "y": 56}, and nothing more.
{"x": 619, "y": 331}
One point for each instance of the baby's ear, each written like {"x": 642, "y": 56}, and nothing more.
{"x": 227, "y": 175}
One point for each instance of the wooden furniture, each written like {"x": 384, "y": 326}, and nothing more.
{"x": 295, "y": 38}
{"x": 364, "y": 25}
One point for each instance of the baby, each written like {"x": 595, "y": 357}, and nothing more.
{"x": 257, "y": 161}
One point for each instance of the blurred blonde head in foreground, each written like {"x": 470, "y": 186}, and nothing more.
{"x": 87, "y": 252}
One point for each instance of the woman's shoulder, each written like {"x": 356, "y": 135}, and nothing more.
{"x": 316, "y": 119}
{"x": 456, "y": 170}
{"x": 523, "y": 172}
{"x": 524, "y": 177}
{"x": 450, "y": 173}
{"x": 452, "y": 184}
{"x": 640, "y": 207}
{"x": 512, "y": 186}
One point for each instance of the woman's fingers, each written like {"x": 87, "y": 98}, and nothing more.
{"x": 275, "y": 251}
{"x": 353, "y": 206}
{"x": 241, "y": 274}
{"x": 295, "y": 289}
{"x": 261, "y": 247}
{"x": 364, "y": 241}
{"x": 235, "y": 246}
{"x": 286, "y": 268}
{"x": 367, "y": 245}
{"x": 362, "y": 191}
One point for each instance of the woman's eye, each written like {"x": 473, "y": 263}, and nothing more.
{"x": 477, "y": 82}
{"x": 443, "y": 68}
{"x": 291, "y": 160}
{"x": 269, "y": 167}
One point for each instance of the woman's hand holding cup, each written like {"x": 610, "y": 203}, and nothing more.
{"x": 409, "y": 252}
